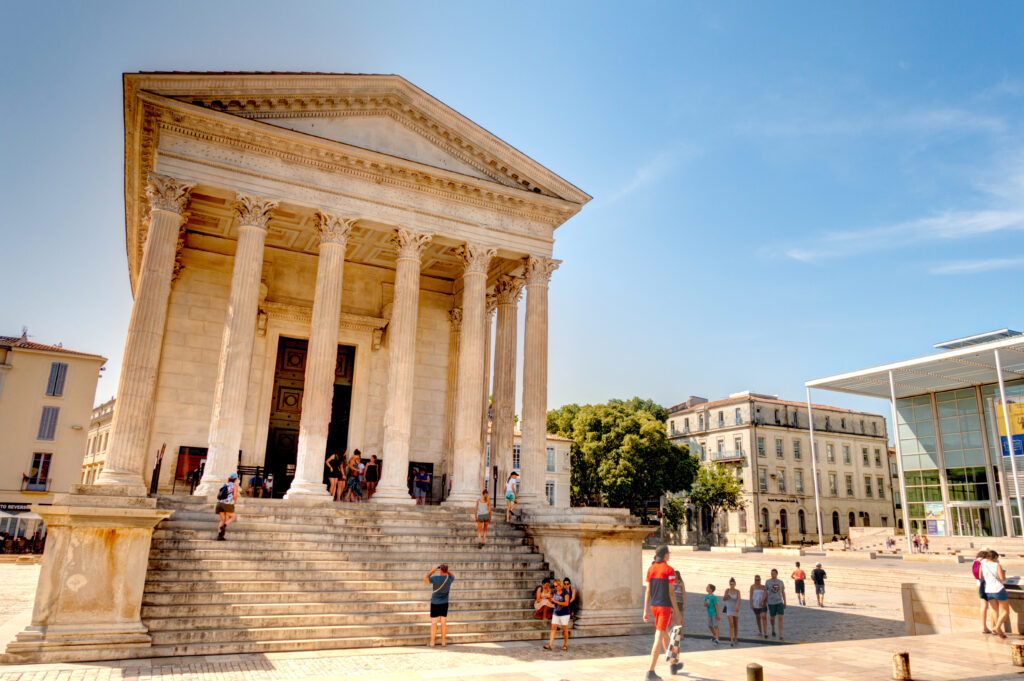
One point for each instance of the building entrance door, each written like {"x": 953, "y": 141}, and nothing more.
{"x": 286, "y": 409}
{"x": 971, "y": 521}
{"x": 783, "y": 527}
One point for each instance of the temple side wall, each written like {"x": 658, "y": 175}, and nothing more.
{"x": 195, "y": 322}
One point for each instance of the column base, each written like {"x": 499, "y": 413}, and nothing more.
{"x": 461, "y": 498}
{"x": 76, "y": 642}
{"x": 533, "y": 501}
{"x": 392, "y": 495}
{"x": 122, "y": 483}
{"x": 307, "y": 490}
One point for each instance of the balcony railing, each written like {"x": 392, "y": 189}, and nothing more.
{"x": 727, "y": 455}
{"x": 33, "y": 485}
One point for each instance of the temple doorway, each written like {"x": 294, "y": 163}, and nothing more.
{"x": 286, "y": 408}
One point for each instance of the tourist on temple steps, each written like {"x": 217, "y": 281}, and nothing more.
{"x": 511, "y": 495}
{"x": 543, "y": 607}
{"x": 442, "y": 584}
{"x": 482, "y": 515}
{"x": 227, "y": 496}
{"x": 332, "y": 468}
{"x": 352, "y": 479}
{"x": 372, "y": 475}
{"x": 560, "y": 616}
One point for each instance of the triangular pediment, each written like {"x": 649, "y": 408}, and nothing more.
{"x": 381, "y": 113}
{"x": 379, "y": 131}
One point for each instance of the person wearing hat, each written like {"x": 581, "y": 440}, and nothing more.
{"x": 482, "y": 515}
{"x": 511, "y": 495}
{"x": 226, "y": 498}
{"x": 818, "y": 577}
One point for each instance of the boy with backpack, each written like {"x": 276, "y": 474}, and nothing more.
{"x": 226, "y": 498}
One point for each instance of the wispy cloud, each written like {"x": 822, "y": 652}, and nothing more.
{"x": 653, "y": 170}
{"x": 977, "y": 266}
{"x": 942, "y": 227}
{"x": 923, "y": 121}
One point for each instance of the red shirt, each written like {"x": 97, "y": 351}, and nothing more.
{"x": 660, "y": 578}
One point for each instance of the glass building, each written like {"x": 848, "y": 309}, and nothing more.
{"x": 953, "y": 446}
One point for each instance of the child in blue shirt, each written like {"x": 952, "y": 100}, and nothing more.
{"x": 711, "y": 604}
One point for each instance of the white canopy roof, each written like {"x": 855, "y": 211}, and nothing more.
{"x": 958, "y": 368}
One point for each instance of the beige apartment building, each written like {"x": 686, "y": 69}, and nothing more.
{"x": 46, "y": 392}
{"x": 767, "y": 441}
{"x": 98, "y": 442}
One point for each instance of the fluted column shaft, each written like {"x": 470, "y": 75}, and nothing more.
{"x": 503, "y": 425}
{"x": 468, "y": 452}
{"x": 232, "y": 387}
{"x": 535, "y": 379}
{"x": 401, "y": 368}
{"x": 321, "y": 359}
{"x": 126, "y": 455}
{"x": 448, "y": 443}
{"x": 486, "y": 402}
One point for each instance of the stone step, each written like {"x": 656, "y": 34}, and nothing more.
{"x": 338, "y": 509}
{"x": 388, "y": 632}
{"x": 277, "y": 533}
{"x": 524, "y": 582}
{"x": 393, "y": 569}
{"x": 363, "y": 577}
{"x": 215, "y": 550}
{"x": 335, "y": 528}
{"x": 245, "y": 607}
{"x": 370, "y": 618}
{"x": 285, "y": 595}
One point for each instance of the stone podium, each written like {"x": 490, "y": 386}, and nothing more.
{"x": 600, "y": 550}
{"x": 89, "y": 596}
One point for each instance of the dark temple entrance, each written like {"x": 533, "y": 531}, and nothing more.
{"x": 286, "y": 408}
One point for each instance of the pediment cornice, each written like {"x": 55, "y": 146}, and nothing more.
{"x": 149, "y": 115}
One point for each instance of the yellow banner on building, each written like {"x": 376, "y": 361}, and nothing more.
{"x": 1016, "y": 410}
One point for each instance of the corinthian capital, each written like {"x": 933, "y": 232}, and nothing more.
{"x": 455, "y": 317}
{"x": 410, "y": 244}
{"x": 538, "y": 270}
{"x": 475, "y": 258}
{"x": 333, "y": 229}
{"x": 167, "y": 193}
{"x": 508, "y": 289}
{"x": 490, "y": 304}
{"x": 253, "y": 211}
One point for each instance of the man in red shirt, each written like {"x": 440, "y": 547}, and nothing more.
{"x": 661, "y": 598}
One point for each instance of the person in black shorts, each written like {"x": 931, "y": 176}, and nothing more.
{"x": 332, "y": 469}
{"x": 371, "y": 474}
{"x": 442, "y": 584}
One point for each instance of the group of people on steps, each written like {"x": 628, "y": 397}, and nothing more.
{"x": 346, "y": 477}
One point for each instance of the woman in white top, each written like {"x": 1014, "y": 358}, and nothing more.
{"x": 482, "y": 515}
{"x": 731, "y": 607}
{"x": 757, "y": 604}
{"x": 511, "y": 495}
{"x": 995, "y": 592}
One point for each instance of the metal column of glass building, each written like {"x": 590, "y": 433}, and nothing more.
{"x": 957, "y": 414}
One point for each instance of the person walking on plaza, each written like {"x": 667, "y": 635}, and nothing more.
{"x": 731, "y": 607}
{"x": 482, "y": 514}
{"x": 511, "y": 495}
{"x": 995, "y": 590}
{"x": 924, "y": 542}
{"x": 798, "y": 584}
{"x": 227, "y": 497}
{"x": 916, "y": 542}
{"x": 660, "y": 601}
{"x": 979, "y": 560}
{"x": 818, "y": 579}
{"x": 757, "y": 604}
{"x": 560, "y": 617}
{"x": 442, "y": 584}
{"x": 711, "y": 605}
{"x": 776, "y": 600}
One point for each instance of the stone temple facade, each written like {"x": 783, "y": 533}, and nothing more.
{"x": 317, "y": 262}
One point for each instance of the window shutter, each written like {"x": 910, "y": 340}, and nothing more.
{"x": 48, "y": 423}
{"x": 55, "y": 384}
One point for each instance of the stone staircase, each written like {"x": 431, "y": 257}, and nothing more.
{"x": 295, "y": 577}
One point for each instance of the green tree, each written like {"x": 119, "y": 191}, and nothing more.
{"x": 621, "y": 455}
{"x": 716, "y": 489}
{"x": 676, "y": 508}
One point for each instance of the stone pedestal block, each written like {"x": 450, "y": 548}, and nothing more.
{"x": 89, "y": 596}
{"x": 600, "y": 550}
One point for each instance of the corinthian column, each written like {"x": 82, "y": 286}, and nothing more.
{"x": 448, "y": 444}
{"x": 535, "y": 379}
{"x": 321, "y": 358}
{"x": 509, "y": 290}
{"x": 401, "y": 367}
{"x": 492, "y": 304}
{"x": 471, "y": 370}
{"x": 236, "y": 344}
{"x": 126, "y": 457}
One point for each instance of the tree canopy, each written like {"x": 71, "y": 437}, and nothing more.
{"x": 621, "y": 455}
{"x": 716, "y": 489}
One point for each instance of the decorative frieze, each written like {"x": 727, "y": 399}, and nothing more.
{"x": 301, "y": 314}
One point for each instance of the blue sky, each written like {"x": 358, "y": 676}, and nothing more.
{"x": 782, "y": 190}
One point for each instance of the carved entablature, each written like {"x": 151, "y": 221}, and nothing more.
{"x": 410, "y": 244}
{"x": 538, "y": 270}
{"x": 509, "y": 289}
{"x": 333, "y": 229}
{"x": 167, "y": 193}
{"x": 304, "y": 315}
{"x": 253, "y": 211}
{"x": 476, "y": 258}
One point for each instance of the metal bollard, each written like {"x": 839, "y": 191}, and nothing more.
{"x": 755, "y": 672}
{"x": 1017, "y": 651}
{"x": 901, "y": 666}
